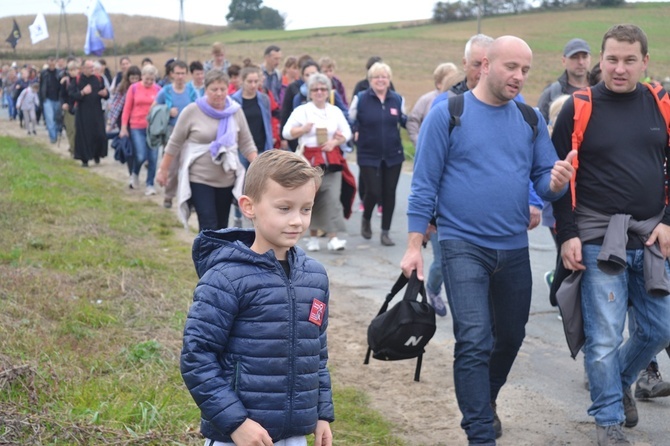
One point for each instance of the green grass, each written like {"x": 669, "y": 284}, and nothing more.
{"x": 94, "y": 289}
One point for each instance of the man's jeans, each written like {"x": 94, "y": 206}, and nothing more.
{"x": 142, "y": 153}
{"x": 435, "y": 280}
{"x": 489, "y": 295}
{"x": 52, "y": 109}
{"x": 610, "y": 365}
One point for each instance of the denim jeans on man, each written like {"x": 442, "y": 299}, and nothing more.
{"x": 143, "y": 153}
{"x": 435, "y": 280}
{"x": 484, "y": 286}
{"x": 609, "y": 364}
{"x": 52, "y": 118}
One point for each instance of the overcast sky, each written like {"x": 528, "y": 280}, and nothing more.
{"x": 299, "y": 14}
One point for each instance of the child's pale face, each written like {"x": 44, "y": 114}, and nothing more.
{"x": 280, "y": 217}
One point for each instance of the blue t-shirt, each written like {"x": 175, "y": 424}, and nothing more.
{"x": 179, "y": 100}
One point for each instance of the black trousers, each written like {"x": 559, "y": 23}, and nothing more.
{"x": 380, "y": 184}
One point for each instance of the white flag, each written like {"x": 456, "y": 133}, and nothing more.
{"x": 38, "y": 30}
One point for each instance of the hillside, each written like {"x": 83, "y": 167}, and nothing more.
{"x": 412, "y": 49}
{"x": 127, "y": 28}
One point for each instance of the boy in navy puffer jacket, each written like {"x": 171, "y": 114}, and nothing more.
{"x": 255, "y": 351}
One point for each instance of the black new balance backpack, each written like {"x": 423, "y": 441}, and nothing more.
{"x": 403, "y": 331}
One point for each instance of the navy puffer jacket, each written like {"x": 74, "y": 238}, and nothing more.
{"x": 250, "y": 350}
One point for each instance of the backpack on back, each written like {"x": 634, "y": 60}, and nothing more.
{"x": 403, "y": 331}
{"x": 584, "y": 106}
{"x": 457, "y": 102}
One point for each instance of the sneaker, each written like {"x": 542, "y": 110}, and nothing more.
{"x": 611, "y": 435}
{"x": 379, "y": 210}
{"x": 167, "y": 203}
{"x": 361, "y": 208}
{"x": 313, "y": 244}
{"x": 134, "y": 182}
{"x": 497, "y": 425}
{"x": 437, "y": 303}
{"x": 150, "y": 191}
{"x": 549, "y": 278}
{"x": 629, "y": 409}
{"x": 587, "y": 384}
{"x": 650, "y": 384}
{"x": 335, "y": 244}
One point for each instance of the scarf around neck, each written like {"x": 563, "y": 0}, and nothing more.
{"x": 225, "y": 134}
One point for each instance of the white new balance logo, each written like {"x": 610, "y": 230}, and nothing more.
{"x": 413, "y": 341}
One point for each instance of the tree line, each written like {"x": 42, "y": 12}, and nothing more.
{"x": 469, "y": 9}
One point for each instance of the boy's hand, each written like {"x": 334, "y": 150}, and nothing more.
{"x": 322, "y": 435}
{"x": 251, "y": 433}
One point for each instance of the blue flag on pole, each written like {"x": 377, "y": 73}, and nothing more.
{"x": 99, "y": 27}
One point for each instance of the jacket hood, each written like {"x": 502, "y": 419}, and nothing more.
{"x": 230, "y": 245}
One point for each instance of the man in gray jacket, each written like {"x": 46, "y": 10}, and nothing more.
{"x": 576, "y": 61}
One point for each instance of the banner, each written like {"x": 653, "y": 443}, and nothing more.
{"x": 14, "y": 36}
{"x": 38, "y": 30}
{"x": 99, "y": 27}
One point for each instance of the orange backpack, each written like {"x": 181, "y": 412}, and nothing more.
{"x": 583, "y": 108}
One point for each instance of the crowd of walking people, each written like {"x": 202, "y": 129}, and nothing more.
{"x": 197, "y": 139}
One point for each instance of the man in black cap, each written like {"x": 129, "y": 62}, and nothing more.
{"x": 576, "y": 61}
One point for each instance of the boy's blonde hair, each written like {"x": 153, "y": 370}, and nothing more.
{"x": 287, "y": 169}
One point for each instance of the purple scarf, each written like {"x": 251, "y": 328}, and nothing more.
{"x": 225, "y": 134}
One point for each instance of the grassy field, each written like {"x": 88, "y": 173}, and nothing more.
{"x": 94, "y": 289}
{"x": 412, "y": 49}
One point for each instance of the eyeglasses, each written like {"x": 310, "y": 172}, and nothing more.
{"x": 321, "y": 89}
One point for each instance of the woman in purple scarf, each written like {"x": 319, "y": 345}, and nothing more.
{"x": 210, "y": 131}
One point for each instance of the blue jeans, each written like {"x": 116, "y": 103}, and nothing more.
{"x": 435, "y": 280}
{"x": 610, "y": 365}
{"x": 142, "y": 153}
{"x": 52, "y": 109}
{"x": 11, "y": 105}
{"x": 485, "y": 286}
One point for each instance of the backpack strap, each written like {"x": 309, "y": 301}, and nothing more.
{"x": 583, "y": 107}
{"x": 529, "y": 116}
{"x": 663, "y": 102}
{"x": 455, "y": 104}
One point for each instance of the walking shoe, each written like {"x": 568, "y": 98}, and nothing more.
{"x": 313, "y": 244}
{"x": 134, "y": 182}
{"x": 611, "y": 435}
{"x": 437, "y": 303}
{"x": 366, "y": 229}
{"x": 650, "y": 384}
{"x": 629, "y": 408}
{"x": 497, "y": 425}
{"x": 379, "y": 210}
{"x": 150, "y": 191}
{"x": 335, "y": 244}
{"x": 386, "y": 240}
{"x": 549, "y": 278}
{"x": 587, "y": 384}
{"x": 167, "y": 203}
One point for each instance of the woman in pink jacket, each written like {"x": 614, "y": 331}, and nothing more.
{"x": 139, "y": 98}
